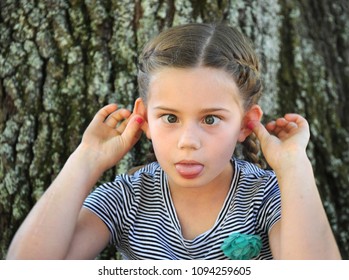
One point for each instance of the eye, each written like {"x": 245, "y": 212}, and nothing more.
{"x": 211, "y": 120}
{"x": 169, "y": 118}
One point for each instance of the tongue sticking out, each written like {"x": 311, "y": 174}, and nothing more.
{"x": 189, "y": 170}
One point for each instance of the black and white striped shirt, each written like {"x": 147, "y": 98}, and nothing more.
{"x": 142, "y": 220}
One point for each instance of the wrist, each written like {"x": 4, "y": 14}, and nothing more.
{"x": 295, "y": 171}
{"x": 291, "y": 162}
{"x": 86, "y": 161}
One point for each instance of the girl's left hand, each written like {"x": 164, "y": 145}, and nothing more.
{"x": 284, "y": 140}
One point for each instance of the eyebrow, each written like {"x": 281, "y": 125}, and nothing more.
{"x": 203, "y": 111}
{"x": 163, "y": 108}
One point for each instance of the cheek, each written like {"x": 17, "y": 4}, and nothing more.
{"x": 152, "y": 128}
{"x": 228, "y": 141}
{"x": 226, "y": 148}
{"x": 158, "y": 138}
{"x": 231, "y": 132}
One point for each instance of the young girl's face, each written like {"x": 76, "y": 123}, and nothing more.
{"x": 194, "y": 121}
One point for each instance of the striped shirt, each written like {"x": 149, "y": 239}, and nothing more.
{"x": 142, "y": 220}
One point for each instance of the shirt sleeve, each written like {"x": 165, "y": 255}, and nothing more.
{"x": 116, "y": 203}
{"x": 110, "y": 202}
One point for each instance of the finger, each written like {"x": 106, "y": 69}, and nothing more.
{"x": 290, "y": 123}
{"x": 290, "y": 126}
{"x": 294, "y": 117}
{"x": 274, "y": 127}
{"x": 104, "y": 112}
{"x": 114, "y": 118}
{"x": 298, "y": 119}
{"x": 271, "y": 126}
{"x": 303, "y": 126}
{"x": 281, "y": 125}
{"x": 260, "y": 131}
{"x": 133, "y": 130}
{"x": 281, "y": 122}
{"x": 123, "y": 125}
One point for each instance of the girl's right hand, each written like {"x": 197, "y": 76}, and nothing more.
{"x": 110, "y": 135}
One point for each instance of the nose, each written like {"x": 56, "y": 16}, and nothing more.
{"x": 189, "y": 138}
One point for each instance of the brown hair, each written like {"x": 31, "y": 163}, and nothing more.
{"x": 209, "y": 45}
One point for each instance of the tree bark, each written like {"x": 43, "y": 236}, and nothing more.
{"x": 60, "y": 61}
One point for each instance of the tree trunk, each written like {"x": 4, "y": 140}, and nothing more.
{"x": 60, "y": 61}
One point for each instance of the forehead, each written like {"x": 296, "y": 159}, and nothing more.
{"x": 184, "y": 85}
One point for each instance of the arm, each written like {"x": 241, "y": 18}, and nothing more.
{"x": 303, "y": 231}
{"x": 58, "y": 227}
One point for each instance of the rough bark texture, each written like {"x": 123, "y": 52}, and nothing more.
{"x": 60, "y": 61}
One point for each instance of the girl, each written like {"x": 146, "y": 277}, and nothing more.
{"x": 199, "y": 87}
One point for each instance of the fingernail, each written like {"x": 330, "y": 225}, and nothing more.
{"x": 139, "y": 120}
{"x": 250, "y": 125}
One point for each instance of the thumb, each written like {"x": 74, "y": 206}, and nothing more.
{"x": 260, "y": 131}
{"x": 133, "y": 130}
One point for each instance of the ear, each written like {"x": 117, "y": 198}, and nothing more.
{"x": 255, "y": 113}
{"x": 141, "y": 109}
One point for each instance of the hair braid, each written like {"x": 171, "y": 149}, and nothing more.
{"x": 251, "y": 151}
